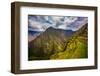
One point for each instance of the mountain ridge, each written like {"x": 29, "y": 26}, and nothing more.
{"x": 52, "y": 42}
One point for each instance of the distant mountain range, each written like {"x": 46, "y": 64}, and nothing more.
{"x": 33, "y": 34}
{"x": 58, "y": 44}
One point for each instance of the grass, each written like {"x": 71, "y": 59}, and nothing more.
{"x": 75, "y": 49}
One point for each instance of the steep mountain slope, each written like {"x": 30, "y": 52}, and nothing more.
{"x": 76, "y": 46}
{"x": 59, "y": 44}
{"x": 49, "y": 42}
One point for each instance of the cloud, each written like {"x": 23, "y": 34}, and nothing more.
{"x": 78, "y": 23}
{"x": 41, "y": 23}
{"x": 35, "y": 25}
{"x": 66, "y": 21}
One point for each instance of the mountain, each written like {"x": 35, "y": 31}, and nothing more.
{"x": 59, "y": 44}
{"x": 76, "y": 46}
{"x": 32, "y": 32}
{"x": 83, "y": 31}
{"x": 32, "y": 35}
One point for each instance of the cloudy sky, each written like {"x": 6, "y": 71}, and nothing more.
{"x": 41, "y": 22}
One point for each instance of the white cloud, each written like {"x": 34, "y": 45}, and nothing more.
{"x": 43, "y": 22}
{"x": 69, "y": 20}
{"x": 62, "y": 27}
{"x": 36, "y": 25}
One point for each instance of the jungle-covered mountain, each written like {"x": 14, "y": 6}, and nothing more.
{"x": 59, "y": 44}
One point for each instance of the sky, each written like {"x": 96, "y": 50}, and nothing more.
{"x": 42, "y": 22}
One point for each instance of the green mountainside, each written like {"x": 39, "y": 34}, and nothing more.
{"x": 59, "y": 44}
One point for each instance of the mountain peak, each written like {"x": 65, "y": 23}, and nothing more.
{"x": 50, "y": 27}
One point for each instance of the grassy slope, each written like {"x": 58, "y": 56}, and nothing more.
{"x": 53, "y": 47}
{"x": 76, "y": 48}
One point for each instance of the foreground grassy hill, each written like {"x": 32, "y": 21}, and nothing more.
{"x": 75, "y": 48}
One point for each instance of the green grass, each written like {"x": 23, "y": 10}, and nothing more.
{"x": 81, "y": 51}
{"x": 75, "y": 49}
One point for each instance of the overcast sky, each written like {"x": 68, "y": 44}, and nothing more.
{"x": 41, "y": 22}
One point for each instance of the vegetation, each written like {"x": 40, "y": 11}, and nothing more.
{"x": 75, "y": 49}
{"x": 55, "y": 44}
